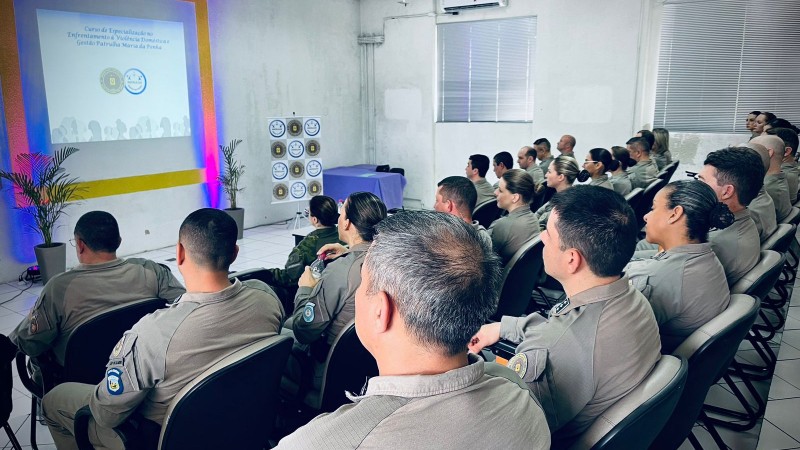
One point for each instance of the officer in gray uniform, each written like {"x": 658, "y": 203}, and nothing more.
{"x": 511, "y": 232}
{"x": 602, "y": 341}
{"x": 526, "y": 158}
{"x": 621, "y": 183}
{"x": 417, "y": 327}
{"x": 775, "y": 180}
{"x": 602, "y": 181}
{"x": 101, "y": 281}
{"x": 457, "y": 196}
{"x": 477, "y": 167}
{"x": 166, "y": 350}
{"x": 789, "y": 164}
{"x": 645, "y": 171}
{"x": 762, "y": 211}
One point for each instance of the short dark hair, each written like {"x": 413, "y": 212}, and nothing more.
{"x": 442, "y": 277}
{"x": 589, "y": 217}
{"x": 755, "y": 113}
{"x": 768, "y": 116}
{"x": 621, "y": 157}
{"x": 480, "y": 162}
{"x": 649, "y": 136}
{"x": 571, "y": 140}
{"x": 779, "y": 123}
{"x": 520, "y": 182}
{"x": 700, "y": 205}
{"x": 641, "y": 143}
{"x": 324, "y": 209}
{"x": 788, "y": 136}
{"x": 543, "y": 141}
{"x": 365, "y": 210}
{"x": 209, "y": 237}
{"x": 505, "y": 159}
{"x": 99, "y": 231}
{"x": 741, "y": 167}
{"x": 460, "y": 191}
{"x": 529, "y": 151}
{"x": 603, "y": 156}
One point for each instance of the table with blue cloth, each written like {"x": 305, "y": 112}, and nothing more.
{"x": 340, "y": 182}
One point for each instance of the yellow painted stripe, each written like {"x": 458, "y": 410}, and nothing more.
{"x": 128, "y": 185}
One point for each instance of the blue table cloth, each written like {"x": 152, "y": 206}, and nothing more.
{"x": 339, "y": 182}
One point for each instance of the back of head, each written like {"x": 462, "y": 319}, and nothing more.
{"x": 648, "y": 136}
{"x": 701, "y": 207}
{"x": 602, "y": 155}
{"x": 461, "y": 192}
{"x": 589, "y": 218}
{"x": 640, "y": 143}
{"x": 442, "y": 277}
{"x": 543, "y": 142}
{"x": 621, "y": 158}
{"x": 365, "y": 210}
{"x": 779, "y": 123}
{"x": 520, "y": 182}
{"x": 480, "y": 162}
{"x": 761, "y": 151}
{"x": 324, "y": 209}
{"x": 661, "y": 136}
{"x": 570, "y": 141}
{"x": 768, "y": 116}
{"x": 740, "y": 167}
{"x": 773, "y": 143}
{"x": 567, "y": 166}
{"x": 529, "y": 151}
{"x": 788, "y": 136}
{"x": 505, "y": 159}
{"x": 99, "y": 231}
{"x": 209, "y": 237}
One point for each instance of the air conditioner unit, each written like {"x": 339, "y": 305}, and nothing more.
{"x": 456, "y": 6}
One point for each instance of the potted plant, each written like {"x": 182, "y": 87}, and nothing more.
{"x": 45, "y": 190}
{"x": 229, "y": 178}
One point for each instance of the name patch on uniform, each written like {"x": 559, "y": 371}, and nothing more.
{"x": 308, "y": 313}
{"x": 114, "y": 382}
{"x": 519, "y": 364}
{"x": 561, "y": 306}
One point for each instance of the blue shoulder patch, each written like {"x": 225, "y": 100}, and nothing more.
{"x": 308, "y": 312}
{"x": 114, "y": 381}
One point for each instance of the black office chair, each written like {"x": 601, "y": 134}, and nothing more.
{"x": 709, "y": 351}
{"x": 231, "y": 405}
{"x": 87, "y": 351}
{"x": 399, "y": 170}
{"x": 647, "y": 200}
{"x": 7, "y": 352}
{"x": 520, "y": 276}
{"x": 634, "y": 197}
{"x": 641, "y": 414}
{"x": 486, "y": 213}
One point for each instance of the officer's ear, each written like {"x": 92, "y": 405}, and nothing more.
{"x": 384, "y": 312}
{"x": 235, "y": 253}
{"x": 180, "y": 254}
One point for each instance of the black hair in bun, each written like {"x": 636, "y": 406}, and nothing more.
{"x": 365, "y": 210}
{"x": 720, "y": 216}
{"x": 701, "y": 207}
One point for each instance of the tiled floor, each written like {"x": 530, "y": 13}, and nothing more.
{"x": 268, "y": 246}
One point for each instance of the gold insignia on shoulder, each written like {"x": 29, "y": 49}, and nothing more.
{"x": 118, "y": 348}
{"x": 519, "y": 364}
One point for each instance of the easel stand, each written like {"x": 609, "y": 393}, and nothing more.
{"x": 298, "y": 216}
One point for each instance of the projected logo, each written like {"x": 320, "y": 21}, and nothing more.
{"x": 111, "y": 80}
{"x": 135, "y": 81}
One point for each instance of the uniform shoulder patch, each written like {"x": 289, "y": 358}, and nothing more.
{"x": 118, "y": 348}
{"x": 308, "y": 312}
{"x": 519, "y": 364}
{"x": 114, "y": 381}
{"x": 561, "y": 306}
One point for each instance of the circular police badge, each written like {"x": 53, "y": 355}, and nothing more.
{"x": 311, "y": 127}
{"x": 297, "y": 169}
{"x": 114, "y": 382}
{"x": 279, "y": 171}
{"x": 277, "y": 128}
{"x": 295, "y": 127}
{"x": 135, "y": 81}
{"x": 313, "y": 168}
{"x": 315, "y": 188}
{"x": 280, "y": 191}
{"x": 278, "y": 149}
{"x": 111, "y": 80}
{"x": 519, "y": 364}
{"x": 308, "y": 312}
{"x": 296, "y": 148}
{"x": 298, "y": 190}
{"x": 312, "y": 147}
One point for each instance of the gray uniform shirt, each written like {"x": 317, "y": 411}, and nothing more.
{"x": 737, "y": 247}
{"x": 330, "y": 305}
{"x": 536, "y": 173}
{"x": 470, "y": 407}
{"x": 643, "y": 173}
{"x": 544, "y": 213}
{"x": 602, "y": 181}
{"x": 72, "y": 297}
{"x": 511, "y": 232}
{"x": 792, "y": 179}
{"x": 762, "y": 211}
{"x": 482, "y": 232}
{"x": 661, "y": 159}
{"x": 593, "y": 349}
{"x": 169, "y": 348}
{"x": 686, "y": 287}
{"x": 545, "y": 163}
{"x": 778, "y": 189}
{"x": 621, "y": 183}
{"x": 485, "y": 192}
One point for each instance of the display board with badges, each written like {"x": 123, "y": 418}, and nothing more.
{"x": 295, "y": 158}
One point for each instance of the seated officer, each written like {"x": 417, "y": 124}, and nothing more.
{"x": 101, "y": 281}
{"x": 166, "y": 350}
{"x": 457, "y": 196}
{"x": 477, "y": 167}
{"x": 762, "y": 207}
{"x": 600, "y": 343}
{"x": 645, "y": 171}
{"x": 430, "y": 393}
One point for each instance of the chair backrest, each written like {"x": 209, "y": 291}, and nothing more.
{"x": 761, "y": 278}
{"x": 794, "y": 217}
{"x": 641, "y": 414}
{"x": 520, "y": 276}
{"x": 709, "y": 351}
{"x": 233, "y": 403}
{"x": 90, "y": 345}
{"x": 399, "y": 170}
{"x": 347, "y": 368}
{"x": 647, "y": 200}
{"x": 671, "y": 168}
{"x": 259, "y": 273}
{"x": 486, "y": 213}
{"x": 781, "y": 238}
{"x": 634, "y": 197}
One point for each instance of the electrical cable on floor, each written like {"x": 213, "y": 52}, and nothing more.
{"x": 21, "y": 277}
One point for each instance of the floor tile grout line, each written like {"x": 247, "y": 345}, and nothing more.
{"x": 782, "y": 431}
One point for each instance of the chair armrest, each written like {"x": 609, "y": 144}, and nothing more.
{"x": 25, "y": 378}
{"x": 504, "y": 349}
{"x": 81, "y": 428}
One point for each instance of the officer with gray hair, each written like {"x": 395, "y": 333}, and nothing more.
{"x": 428, "y": 283}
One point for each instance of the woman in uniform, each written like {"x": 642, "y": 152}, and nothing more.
{"x": 514, "y": 194}
{"x": 620, "y": 179}
{"x": 560, "y": 175}
{"x": 597, "y": 163}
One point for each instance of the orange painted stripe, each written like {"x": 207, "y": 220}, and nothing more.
{"x": 11, "y": 83}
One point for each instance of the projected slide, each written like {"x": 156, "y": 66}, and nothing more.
{"x": 113, "y": 78}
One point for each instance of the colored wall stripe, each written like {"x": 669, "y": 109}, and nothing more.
{"x": 129, "y": 185}
{"x": 11, "y": 78}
